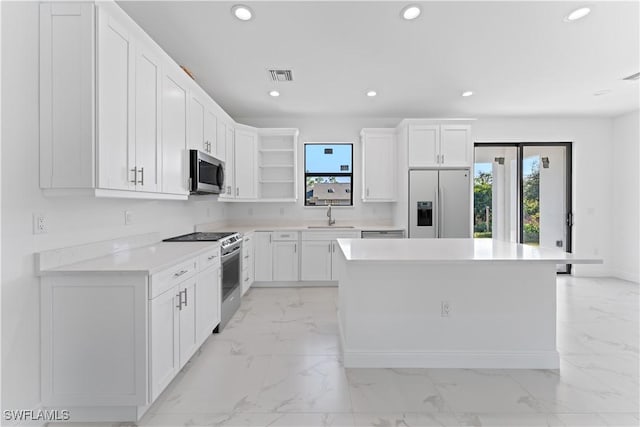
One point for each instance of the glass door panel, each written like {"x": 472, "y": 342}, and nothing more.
{"x": 522, "y": 193}
{"x": 544, "y": 197}
{"x": 495, "y": 193}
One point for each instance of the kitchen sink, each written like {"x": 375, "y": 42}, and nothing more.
{"x": 330, "y": 226}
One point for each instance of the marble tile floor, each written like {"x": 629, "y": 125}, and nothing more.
{"x": 278, "y": 364}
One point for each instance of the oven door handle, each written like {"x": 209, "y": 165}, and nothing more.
{"x": 230, "y": 254}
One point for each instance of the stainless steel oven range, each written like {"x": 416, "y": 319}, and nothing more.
{"x": 230, "y": 252}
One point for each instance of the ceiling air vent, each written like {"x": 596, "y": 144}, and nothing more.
{"x": 635, "y": 76}
{"x": 281, "y": 75}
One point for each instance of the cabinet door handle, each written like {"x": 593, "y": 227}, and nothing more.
{"x": 367, "y": 192}
{"x": 179, "y": 306}
{"x": 269, "y": 238}
{"x": 180, "y": 273}
{"x": 246, "y": 279}
{"x": 442, "y": 157}
{"x": 330, "y": 247}
{"x": 295, "y": 247}
{"x": 333, "y": 246}
{"x": 135, "y": 175}
{"x": 246, "y": 257}
{"x": 185, "y": 297}
{"x": 228, "y": 189}
{"x": 141, "y": 182}
{"x": 237, "y": 191}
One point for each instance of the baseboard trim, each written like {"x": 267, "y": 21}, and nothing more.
{"x": 296, "y": 284}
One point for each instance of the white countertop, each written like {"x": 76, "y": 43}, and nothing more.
{"x": 146, "y": 260}
{"x": 453, "y": 251}
{"x": 248, "y": 228}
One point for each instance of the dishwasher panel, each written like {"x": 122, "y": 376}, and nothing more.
{"x": 383, "y": 234}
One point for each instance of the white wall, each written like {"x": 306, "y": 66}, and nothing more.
{"x": 71, "y": 221}
{"x": 318, "y": 129}
{"x": 592, "y": 175}
{"x": 625, "y": 218}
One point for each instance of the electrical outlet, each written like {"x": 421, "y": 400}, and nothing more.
{"x": 39, "y": 223}
{"x": 128, "y": 217}
{"x": 445, "y": 309}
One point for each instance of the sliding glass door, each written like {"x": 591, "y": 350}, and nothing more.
{"x": 522, "y": 193}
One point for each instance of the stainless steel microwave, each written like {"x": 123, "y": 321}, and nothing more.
{"x": 206, "y": 173}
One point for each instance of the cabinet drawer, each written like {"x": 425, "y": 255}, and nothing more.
{"x": 209, "y": 259}
{"x": 284, "y": 236}
{"x": 330, "y": 235}
{"x": 170, "y": 277}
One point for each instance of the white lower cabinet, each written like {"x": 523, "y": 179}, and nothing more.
{"x": 164, "y": 360}
{"x": 316, "y": 260}
{"x": 247, "y": 262}
{"x": 319, "y": 251}
{"x": 285, "y": 261}
{"x": 276, "y": 256}
{"x": 112, "y": 342}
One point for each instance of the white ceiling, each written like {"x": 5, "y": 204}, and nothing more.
{"x": 519, "y": 58}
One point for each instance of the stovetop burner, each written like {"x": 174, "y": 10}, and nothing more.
{"x": 201, "y": 237}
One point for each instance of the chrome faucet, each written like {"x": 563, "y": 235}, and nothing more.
{"x": 331, "y": 220}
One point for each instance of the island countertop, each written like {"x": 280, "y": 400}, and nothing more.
{"x": 452, "y": 251}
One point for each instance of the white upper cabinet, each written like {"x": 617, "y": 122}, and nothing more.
{"x": 202, "y": 122}
{"x": 174, "y": 132}
{"x": 245, "y": 144}
{"x": 117, "y": 114}
{"x": 116, "y": 147}
{"x": 439, "y": 144}
{"x": 221, "y": 140}
{"x": 456, "y": 147}
{"x": 145, "y": 164}
{"x": 424, "y": 145}
{"x": 378, "y": 165}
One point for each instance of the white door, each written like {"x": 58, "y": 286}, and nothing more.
{"x": 455, "y": 145}
{"x": 424, "y": 141}
{"x": 262, "y": 257}
{"x": 187, "y": 313}
{"x": 207, "y": 303}
{"x": 285, "y": 261}
{"x": 115, "y": 57}
{"x": 147, "y": 119}
{"x": 379, "y": 167}
{"x": 210, "y": 130}
{"x": 163, "y": 341}
{"x": 316, "y": 260}
{"x": 174, "y": 134}
{"x": 245, "y": 164}
{"x": 221, "y": 141}
{"x": 229, "y": 172}
{"x": 196, "y": 124}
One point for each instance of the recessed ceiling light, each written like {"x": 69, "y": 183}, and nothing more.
{"x": 602, "y": 92}
{"x": 371, "y": 93}
{"x": 411, "y": 12}
{"x": 274, "y": 93}
{"x": 577, "y": 14}
{"x": 242, "y": 12}
{"x": 467, "y": 93}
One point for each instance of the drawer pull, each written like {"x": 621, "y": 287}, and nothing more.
{"x": 212, "y": 257}
{"x": 246, "y": 257}
{"x": 246, "y": 280}
{"x": 180, "y": 273}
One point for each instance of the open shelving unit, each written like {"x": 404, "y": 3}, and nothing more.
{"x": 277, "y": 160}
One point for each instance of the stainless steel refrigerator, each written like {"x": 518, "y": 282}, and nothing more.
{"x": 439, "y": 203}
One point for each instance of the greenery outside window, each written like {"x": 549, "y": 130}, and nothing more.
{"x": 328, "y": 174}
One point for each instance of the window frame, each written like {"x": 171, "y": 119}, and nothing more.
{"x": 350, "y": 174}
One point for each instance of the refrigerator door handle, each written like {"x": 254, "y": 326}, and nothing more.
{"x": 440, "y": 203}
{"x": 436, "y": 198}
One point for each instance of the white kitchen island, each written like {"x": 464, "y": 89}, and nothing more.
{"x": 448, "y": 303}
